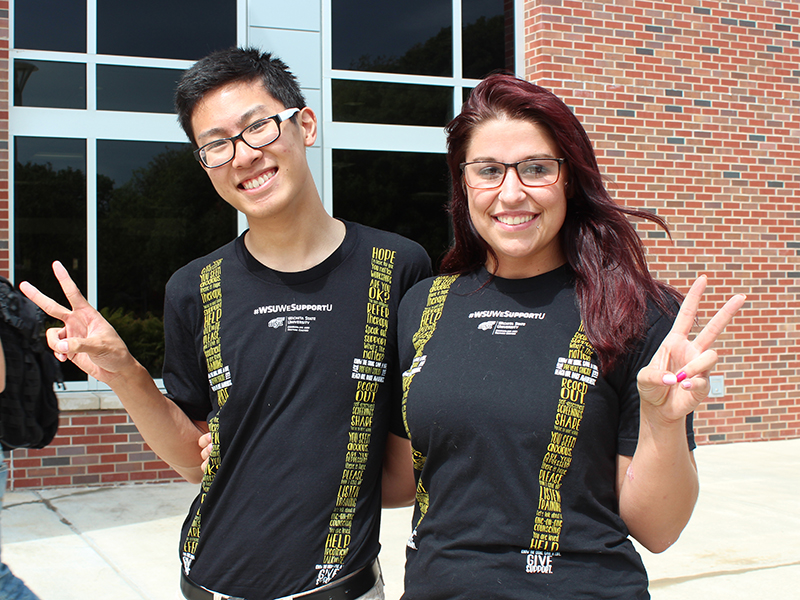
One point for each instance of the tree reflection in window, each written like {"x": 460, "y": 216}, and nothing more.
{"x": 403, "y": 192}
{"x": 50, "y": 215}
{"x": 487, "y": 40}
{"x": 156, "y": 211}
{"x": 418, "y": 38}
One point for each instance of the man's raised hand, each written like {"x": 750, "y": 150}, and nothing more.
{"x": 86, "y": 338}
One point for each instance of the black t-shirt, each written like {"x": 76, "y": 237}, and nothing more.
{"x": 516, "y": 434}
{"x": 296, "y": 375}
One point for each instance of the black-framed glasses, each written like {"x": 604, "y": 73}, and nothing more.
{"x": 534, "y": 172}
{"x": 256, "y": 135}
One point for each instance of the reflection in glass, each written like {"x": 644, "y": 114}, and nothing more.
{"x": 404, "y": 192}
{"x": 49, "y": 84}
{"x": 465, "y": 92}
{"x": 156, "y": 211}
{"x": 58, "y": 25}
{"x": 487, "y": 37}
{"x": 136, "y": 89}
{"x": 160, "y": 29}
{"x": 392, "y": 103}
{"x": 415, "y": 38}
{"x": 50, "y": 215}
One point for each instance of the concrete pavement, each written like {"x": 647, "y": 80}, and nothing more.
{"x": 743, "y": 540}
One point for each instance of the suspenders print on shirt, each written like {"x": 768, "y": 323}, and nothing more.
{"x": 427, "y": 325}
{"x": 369, "y": 371}
{"x": 577, "y": 372}
{"x": 219, "y": 380}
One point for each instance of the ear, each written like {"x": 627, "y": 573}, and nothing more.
{"x": 308, "y": 122}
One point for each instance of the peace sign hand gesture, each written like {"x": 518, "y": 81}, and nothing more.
{"x": 676, "y": 380}
{"x": 86, "y": 338}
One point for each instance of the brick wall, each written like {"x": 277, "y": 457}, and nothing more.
{"x": 97, "y": 444}
{"x": 694, "y": 110}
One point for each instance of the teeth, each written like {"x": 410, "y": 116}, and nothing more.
{"x": 518, "y": 220}
{"x": 254, "y": 183}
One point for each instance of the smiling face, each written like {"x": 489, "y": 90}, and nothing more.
{"x": 264, "y": 182}
{"x": 520, "y": 223}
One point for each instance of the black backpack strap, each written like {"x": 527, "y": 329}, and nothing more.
{"x": 9, "y": 303}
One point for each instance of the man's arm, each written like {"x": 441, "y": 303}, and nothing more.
{"x": 398, "y": 486}
{"x": 89, "y": 341}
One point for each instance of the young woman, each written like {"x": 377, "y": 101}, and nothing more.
{"x": 549, "y": 384}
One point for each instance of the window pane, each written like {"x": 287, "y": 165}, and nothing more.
{"x": 50, "y": 25}
{"x": 50, "y": 215}
{"x": 49, "y": 84}
{"x": 393, "y": 103}
{"x": 156, "y": 211}
{"x": 415, "y": 37}
{"x": 136, "y": 89}
{"x": 487, "y": 37}
{"x": 165, "y": 29}
{"x": 404, "y": 192}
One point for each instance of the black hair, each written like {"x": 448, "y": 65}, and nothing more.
{"x": 230, "y": 66}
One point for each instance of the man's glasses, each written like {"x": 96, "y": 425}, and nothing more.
{"x": 257, "y": 135}
{"x": 534, "y": 172}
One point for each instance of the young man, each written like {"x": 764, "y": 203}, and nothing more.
{"x": 281, "y": 345}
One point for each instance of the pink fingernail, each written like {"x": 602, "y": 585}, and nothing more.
{"x": 681, "y": 376}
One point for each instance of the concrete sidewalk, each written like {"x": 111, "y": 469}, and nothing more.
{"x": 742, "y": 542}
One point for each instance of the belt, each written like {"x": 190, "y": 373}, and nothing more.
{"x": 348, "y": 588}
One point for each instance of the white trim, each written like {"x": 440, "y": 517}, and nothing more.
{"x": 241, "y": 22}
{"x": 396, "y": 78}
{"x": 102, "y": 59}
{"x": 386, "y": 138}
{"x": 91, "y": 221}
{"x": 458, "y": 57}
{"x": 91, "y": 27}
{"x": 98, "y": 124}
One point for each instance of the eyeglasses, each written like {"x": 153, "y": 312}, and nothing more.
{"x": 257, "y": 135}
{"x": 534, "y": 172}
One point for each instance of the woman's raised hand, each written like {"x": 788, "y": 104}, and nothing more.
{"x": 676, "y": 380}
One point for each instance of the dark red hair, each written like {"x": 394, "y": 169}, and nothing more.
{"x": 602, "y": 247}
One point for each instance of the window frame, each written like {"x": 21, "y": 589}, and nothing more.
{"x": 392, "y": 138}
{"x": 91, "y": 125}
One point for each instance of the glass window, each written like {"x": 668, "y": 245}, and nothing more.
{"x": 49, "y": 84}
{"x": 58, "y": 25}
{"x": 136, "y": 89}
{"x": 465, "y": 92}
{"x": 487, "y": 37}
{"x": 156, "y": 211}
{"x": 392, "y": 103}
{"x": 165, "y": 29}
{"x": 404, "y": 192}
{"x": 50, "y": 215}
{"x": 415, "y": 37}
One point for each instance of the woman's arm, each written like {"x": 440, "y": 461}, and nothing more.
{"x": 658, "y": 487}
